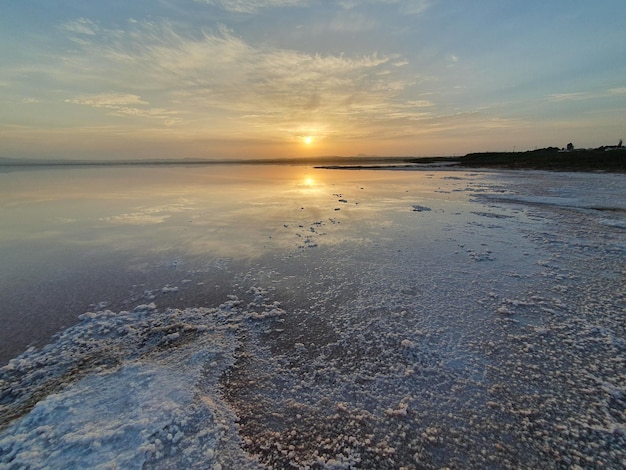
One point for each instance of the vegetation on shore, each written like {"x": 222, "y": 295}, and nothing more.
{"x": 601, "y": 159}
{"x": 609, "y": 159}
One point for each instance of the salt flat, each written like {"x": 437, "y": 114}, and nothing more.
{"x": 266, "y": 318}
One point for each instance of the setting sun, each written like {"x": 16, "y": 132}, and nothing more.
{"x": 308, "y": 139}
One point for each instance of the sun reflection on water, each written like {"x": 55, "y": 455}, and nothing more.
{"x": 309, "y": 185}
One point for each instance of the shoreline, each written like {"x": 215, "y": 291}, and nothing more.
{"x": 551, "y": 159}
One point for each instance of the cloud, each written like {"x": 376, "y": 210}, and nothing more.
{"x": 253, "y": 6}
{"x": 160, "y": 81}
{"x": 561, "y": 97}
{"x": 220, "y": 82}
{"x": 420, "y": 103}
{"x": 409, "y": 7}
{"x": 586, "y": 95}
{"x": 82, "y": 26}
{"x": 123, "y": 104}
{"x": 415, "y": 7}
{"x": 108, "y": 100}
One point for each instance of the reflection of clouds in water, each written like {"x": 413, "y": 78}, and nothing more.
{"x": 147, "y": 216}
{"x": 137, "y": 218}
{"x": 66, "y": 220}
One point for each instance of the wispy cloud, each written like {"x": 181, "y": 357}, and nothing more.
{"x": 415, "y": 7}
{"x": 586, "y": 95}
{"x": 410, "y": 7}
{"x": 81, "y": 26}
{"x": 108, "y": 100}
{"x": 253, "y": 6}
{"x": 125, "y": 105}
{"x": 578, "y": 96}
{"x": 219, "y": 77}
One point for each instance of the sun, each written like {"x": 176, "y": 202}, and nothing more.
{"x": 308, "y": 139}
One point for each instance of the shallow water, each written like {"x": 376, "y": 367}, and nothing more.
{"x": 258, "y": 316}
{"x": 81, "y": 236}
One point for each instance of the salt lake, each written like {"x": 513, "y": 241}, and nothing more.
{"x": 285, "y": 316}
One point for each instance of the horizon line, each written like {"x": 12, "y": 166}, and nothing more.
{"x": 8, "y": 161}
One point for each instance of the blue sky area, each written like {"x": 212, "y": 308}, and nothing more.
{"x": 285, "y": 78}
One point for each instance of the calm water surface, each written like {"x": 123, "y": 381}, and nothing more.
{"x": 75, "y": 238}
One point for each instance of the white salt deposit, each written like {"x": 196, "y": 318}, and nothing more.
{"x": 127, "y": 389}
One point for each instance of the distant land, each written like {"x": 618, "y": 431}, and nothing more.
{"x": 610, "y": 159}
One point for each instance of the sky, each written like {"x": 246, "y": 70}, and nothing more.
{"x": 225, "y": 79}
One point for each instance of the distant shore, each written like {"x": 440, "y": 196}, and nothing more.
{"x": 543, "y": 159}
{"x": 550, "y": 159}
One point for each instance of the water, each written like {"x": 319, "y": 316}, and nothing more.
{"x": 82, "y": 236}
{"x": 249, "y": 316}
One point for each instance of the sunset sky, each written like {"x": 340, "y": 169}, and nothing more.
{"x": 287, "y": 78}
